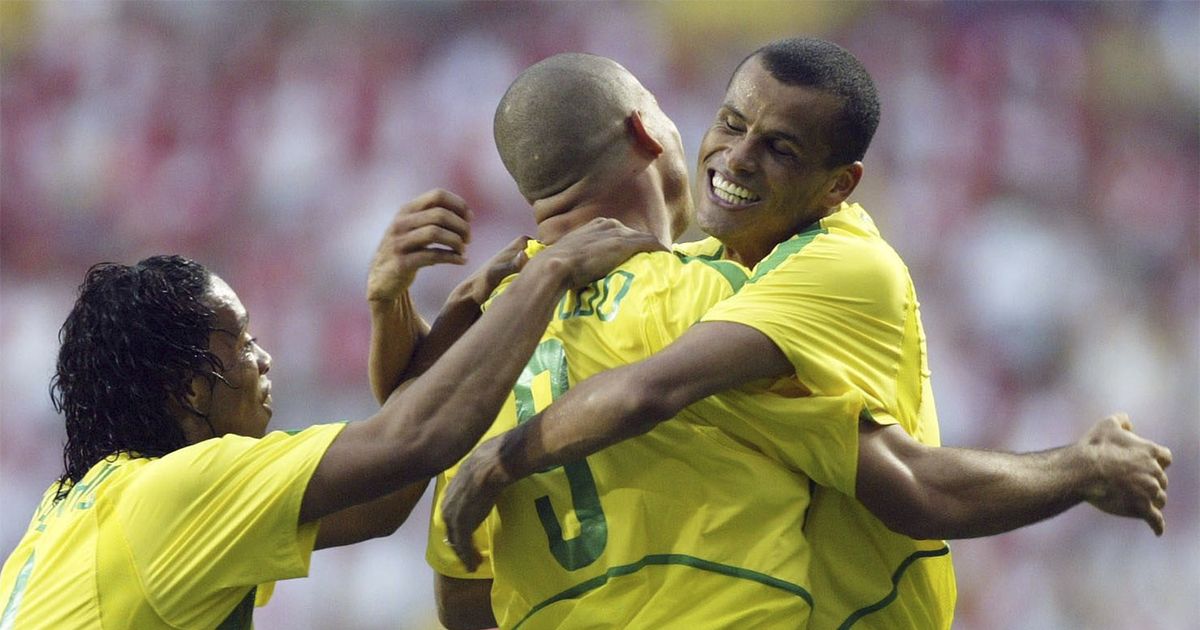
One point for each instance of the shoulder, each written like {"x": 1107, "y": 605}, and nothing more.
{"x": 219, "y": 457}
{"x": 835, "y": 261}
{"x": 707, "y": 248}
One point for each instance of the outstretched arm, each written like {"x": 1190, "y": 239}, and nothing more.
{"x": 940, "y": 492}
{"x": 917, "y": 490}
{"x": 429, "y": 426}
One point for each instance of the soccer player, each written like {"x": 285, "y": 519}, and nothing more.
{"x": 826, "y": 324}
{"x": 175, "y": 505}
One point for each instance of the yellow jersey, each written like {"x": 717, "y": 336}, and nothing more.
{"x": 840, "y": 303}
{"x": 181, "y": 541}
{"x": 697, "y": 523}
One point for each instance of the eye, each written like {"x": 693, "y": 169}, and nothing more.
{"x": 783, "y": 148}
{"x": 732, "y": 123}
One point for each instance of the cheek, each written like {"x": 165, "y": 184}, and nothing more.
{"x": 709, "y": 144}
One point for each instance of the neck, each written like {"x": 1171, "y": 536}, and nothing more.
{"x": 748, "y": 250}
{"x": 628, "y": 195}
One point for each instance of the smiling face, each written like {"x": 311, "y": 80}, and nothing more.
{"x": 240, "y": 401}
{"x": 763, "y": 173}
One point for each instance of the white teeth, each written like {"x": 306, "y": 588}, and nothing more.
{"x": 730, "y": 191}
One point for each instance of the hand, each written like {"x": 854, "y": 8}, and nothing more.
{"x": 1132, "y": 471}
{"x": 433, "y": 228}
{"x": 480, "y": 284}
{"x": 469, "y": 498}
{"x": 591, "y": 251}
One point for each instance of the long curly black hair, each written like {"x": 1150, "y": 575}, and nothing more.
{"x": 135, "y": 338}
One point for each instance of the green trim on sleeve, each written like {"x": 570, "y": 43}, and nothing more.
{"x": 14, "y": 599}
{"x": 857, "y": 615}
{"x": 717, "y": 255}
{"x": 668, "y": 559}
{"x": 731, "y": 271}
{"x": 784, "y": 250}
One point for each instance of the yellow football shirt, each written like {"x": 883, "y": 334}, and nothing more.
{"x": 179, "y": 541}
{"x": 840, "y": 304}
{"x": 658, "y": 531}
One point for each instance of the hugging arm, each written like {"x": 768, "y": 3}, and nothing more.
{"x": 917, "y": 490}
{"x": 942, "y": 492}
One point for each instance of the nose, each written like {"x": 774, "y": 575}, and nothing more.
{"x": 739, "y": 157}
{"x": 264, "y": 361}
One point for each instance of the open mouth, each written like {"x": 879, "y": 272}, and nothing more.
{"x": 729, "y": 192}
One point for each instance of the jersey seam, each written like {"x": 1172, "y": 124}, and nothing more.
{"x": 892, "y": 595}
{"x": 668, "y": 559}
{"x": 786, "y": 250}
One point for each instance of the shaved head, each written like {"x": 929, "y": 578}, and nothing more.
{"x": 562, "y": 118}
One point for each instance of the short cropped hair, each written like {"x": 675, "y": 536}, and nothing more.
{"x": 135, "y": 338}
{"x": 816, "y": 63}
{"x": 561, "y": 118}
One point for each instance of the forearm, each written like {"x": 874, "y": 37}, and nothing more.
{"x": 397, "y": 330}
{"x": 456, "y": 317}
{"x": 373, "y": 519}
{"x": 988, "y": 492}
{"x": 599, "y": 412}
{"x": 939, "y": 492}
{"x": 446, "y": 411}
{"x": 628, "y": 401}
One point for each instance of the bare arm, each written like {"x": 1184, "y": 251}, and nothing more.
{"x": 431, "y": 229}
{"x": 916, "y": 490}
{"x": 940, "y": 492}
{"x": 605, "y": 409}
{"x": 464, "y": 604}
{"x": 463, "y": 307}
{"x": 398, "y": 332}
{"x": 373, "y": 519}
{"x": 429, "y": 426}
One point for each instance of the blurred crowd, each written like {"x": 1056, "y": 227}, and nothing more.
{"x": 1038, "y": 167}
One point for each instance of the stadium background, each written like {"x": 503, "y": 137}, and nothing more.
{"x": 1038, "y": 168}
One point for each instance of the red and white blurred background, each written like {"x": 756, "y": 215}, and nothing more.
{"x": 1038, "y": 166}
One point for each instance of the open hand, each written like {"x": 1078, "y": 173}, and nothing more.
{"x": 431, "y": 229}
{"x": 480, "y": 284}
{"x": 1132, "y": 471}
{"x": 591, "y": 251}
{"x": 469, "y": 498}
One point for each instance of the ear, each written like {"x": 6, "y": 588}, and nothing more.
{"x": 641, "y": 137}
{"x": 843, "y": 182}
{"x": 196, "y": 401}
{"x": 197, "y": 394}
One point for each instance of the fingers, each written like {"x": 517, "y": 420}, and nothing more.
{"x": 434, "y": 226}
{"x": 1163, "y": 455}
{"x": 593, "y": 250}
{"x": 427, "y": 257}
{"x": 439, "y": 198}
{"x": 467, "y": 554}
{"x": 1156, "y": 521}
{"x": 1160, "y": 499}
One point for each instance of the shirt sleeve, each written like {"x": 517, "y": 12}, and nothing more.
{"x": 223, "y": 513}
{"x": 837, "y": 311}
